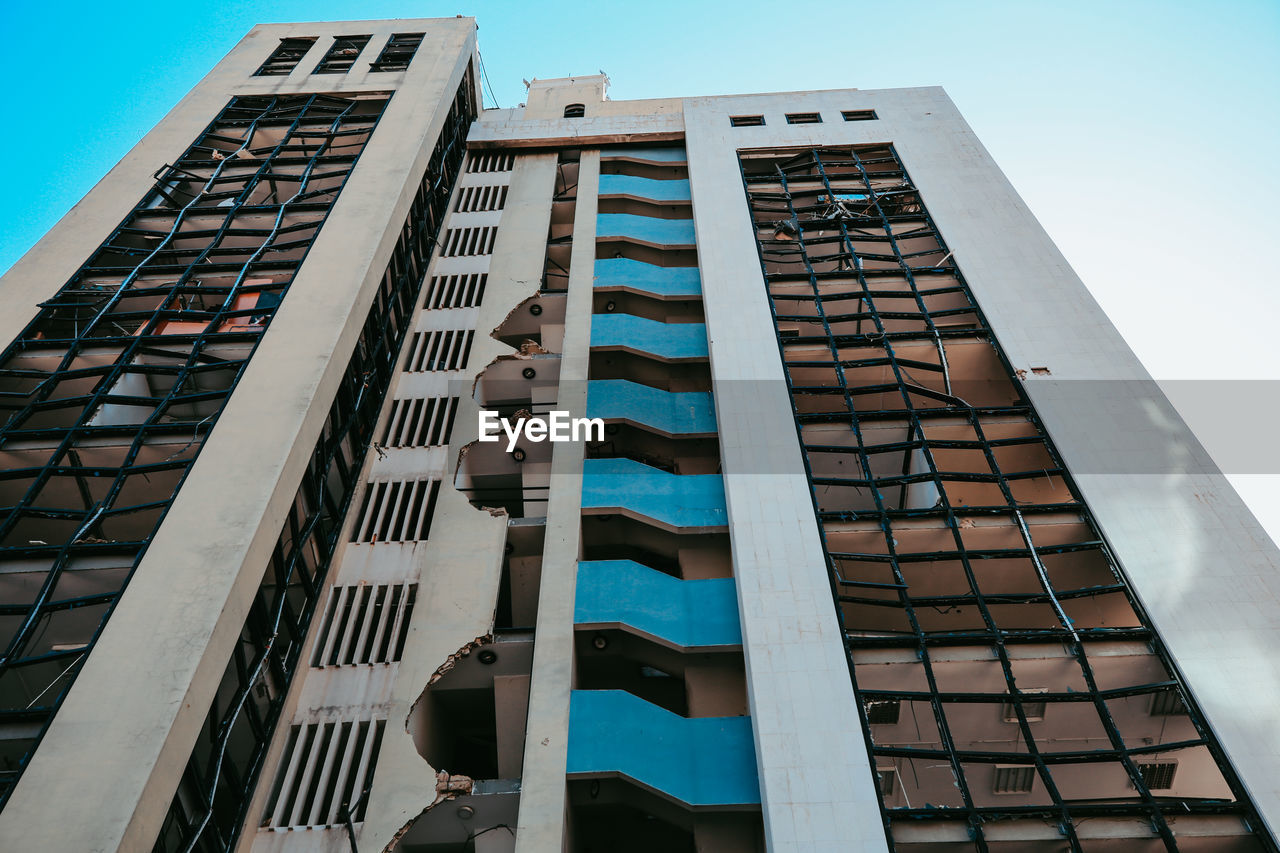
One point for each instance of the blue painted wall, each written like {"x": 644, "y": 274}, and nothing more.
{"x": 688, "y": 500}
{"x": 708, "y": 761}
{"x": 663, "y": 281}
{"x": 665, "y": 340}
{"x": 673, "y": 412}
{"x": 674, "y": 190}
{"x": 686, "y": 613}
{"x": 650, "y": 229}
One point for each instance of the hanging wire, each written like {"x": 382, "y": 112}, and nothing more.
{"x": 484, "y": 75}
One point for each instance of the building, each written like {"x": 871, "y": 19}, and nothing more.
{"x": 889, "y": 542}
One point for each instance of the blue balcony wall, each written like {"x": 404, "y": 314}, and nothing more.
{"x": 665, "y": 340}
{"x": 674, "y": 190}
{"x": 637, "y": 275}
{"x": 692, "y": 614}
{"x": 708, "y": 761}
{"x": 680, "y": 500}
{"x": 648, "y": 229}
{"x": 672, "y": 412}
{"x": 644, "y": 152}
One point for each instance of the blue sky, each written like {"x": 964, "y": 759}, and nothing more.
{"x": 1144, "y": 136}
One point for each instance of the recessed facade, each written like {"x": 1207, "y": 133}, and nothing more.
{"x": 886, "y": 540}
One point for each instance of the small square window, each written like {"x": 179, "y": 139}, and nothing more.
{"x": 804, "y": 118}
{"x": 858, "y": 115}
{"x": 397, "y": 53}
{"x": 883, "y": 711}
{"x": 341, "y": 54}
{"x": 1158, "y": 775}
{"x": 1034, "y": 711}
{"x": 1013, "y": 779}
{"x": 746, "y": 121}
{"x": 285, "y": 57}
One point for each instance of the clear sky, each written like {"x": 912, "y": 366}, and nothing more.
{"x": 1144, "y": 135}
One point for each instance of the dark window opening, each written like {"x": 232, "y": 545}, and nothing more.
{"x": 859, "y": 115}
{"x": 883, "y": 711}
{"x": 285, "y": 57}
{"x": 342, "y": 54}
{"x": 804, "y": 118}
{"x": 397, "y": 53}
{"x": 575, "y": 111}
{"x": 746, "y": 121}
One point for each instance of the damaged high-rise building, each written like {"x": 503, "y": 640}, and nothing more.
{"x": 886, "y": 542}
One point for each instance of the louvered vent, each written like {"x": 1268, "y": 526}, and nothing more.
{"x": 439, "y": 349}
{"x": 365, "y": 624}
{"x": 326, "y": 767}
{"x": 468, "y": 242}
{"x": 483, "y": 197}
{"x": 420, "y": 422}
{"x": 396, "y": 511}
{"x": 492, "y": 162}
{"x": 456, "y": 291}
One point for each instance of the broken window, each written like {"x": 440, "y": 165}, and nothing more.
{"x": 111, "y": 391}
{"x": 972, "y": 583}
{"x": 207, "y": 810}
{"x": 575, "y": 111}
{"x": 285, "y": 57}
{"x": 341, "y": 55}
{"x": 397, "y": 53}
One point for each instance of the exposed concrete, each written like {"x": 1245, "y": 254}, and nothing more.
{"x": 463, "y": 561}
{"x": 542, "y": 801}
{"x": 127, "y": 728}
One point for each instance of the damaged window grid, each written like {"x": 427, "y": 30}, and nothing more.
{"x": 208, "y": 809}
{"x": 111, "y": 391}
{"x": 977, "y": 596}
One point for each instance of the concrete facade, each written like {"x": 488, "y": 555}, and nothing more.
{"x": 632, "y": 643}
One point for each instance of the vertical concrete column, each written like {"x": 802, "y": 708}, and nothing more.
{"x": 816, "y": 781}
{"x": 542, "y": 787}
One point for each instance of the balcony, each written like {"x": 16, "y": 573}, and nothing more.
{"x": 632, "y": 186}
{"x": 667, "y": 341}
{"x": 691, "y": 501}
{"x": 690, "y": 413}
{"x": 634, "y": 275}
{"x": 699, "y": 762}
{"x": 649, "y": 230}
{"x": 692, "y": 614}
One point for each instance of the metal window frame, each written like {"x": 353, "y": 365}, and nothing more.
{"x": 839, "y": 230}
{"x": 197, "y": 818}
{"x": 160, "y": 301}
